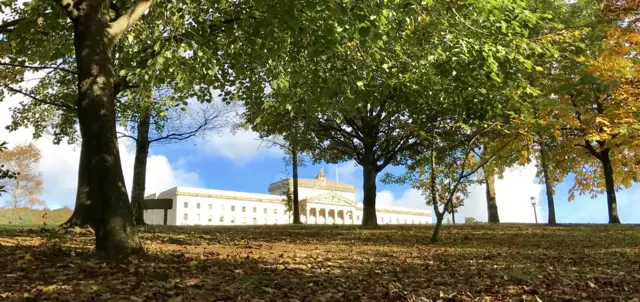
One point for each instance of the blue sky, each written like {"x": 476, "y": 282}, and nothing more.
{"x": 254, "y": 173}
{"x": 237, "y": 161}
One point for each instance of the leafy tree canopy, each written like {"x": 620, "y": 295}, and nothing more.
{"x": 180, "y": 47}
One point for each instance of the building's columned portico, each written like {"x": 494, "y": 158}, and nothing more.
{"x": 328, "y": 208}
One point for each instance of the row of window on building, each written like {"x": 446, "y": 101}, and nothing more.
{"x": 275, "y": 212}
{"x": 406, "y": 221}
{"x": 233, "y": 208}
{"x": 221, "y": 219}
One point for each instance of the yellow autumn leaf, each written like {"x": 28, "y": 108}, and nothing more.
{"x": 600, "y": 120}
{"x": 593, "y": 137}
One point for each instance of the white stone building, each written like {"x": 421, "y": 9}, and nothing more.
{"x": 321, "y": 202}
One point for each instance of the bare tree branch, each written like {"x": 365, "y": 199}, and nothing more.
{"x": 465, "y": 22}
{"x": 488, "y": 159}
{"x": 129, "y": 18}
{"x": 69, "y": 8}
{"x": 38, "y": 67}
{"x": 122, "y": 84}
{"x": 179, "y": 136}
{"x": 124, "y": 135}
{"x": 7, "y": 26}
{"x": 273, "y": 141}
{"x": 18, "y": 91}
{"x": 199, "y": 119}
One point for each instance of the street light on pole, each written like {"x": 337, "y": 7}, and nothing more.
{"x": 533, "y": 204}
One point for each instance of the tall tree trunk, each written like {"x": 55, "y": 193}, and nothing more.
{"x": 492, "y": 204}
{"x": 434, "y": 200}
{"x": 296, "y": 201}
{"x": 14, "y": 215}
{"x": 453, "y": 216}
{"x": 548, "y": 183}
{"x": 81, "y": 213}
{"x": 436, "y": 231}
{"x": 370, "y": 173}
{"x": 612, "y": 204}
{"x": 140, "y": 167}
{"x": 16, "y": 199}
{"x": 106, "y": 195}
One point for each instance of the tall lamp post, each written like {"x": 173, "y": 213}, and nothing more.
{"x": 533, "y": 204}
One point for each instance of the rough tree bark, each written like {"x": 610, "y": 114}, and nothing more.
{"x": 492, "y": 204}
{"x": 140, "y": 168}
{"x": 81, "y": 216}
{"x": 110, "y": 213}
{"x": 370, "y": 173}
{"x": 436, "y": 230}
{"x": 434, "y": 200}
{"x": 296, "y": 200}
{"x": 612, "y": 203}
{"x": 548, "y": 183}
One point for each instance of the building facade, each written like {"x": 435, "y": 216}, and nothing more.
{"x": 321, "y": 202}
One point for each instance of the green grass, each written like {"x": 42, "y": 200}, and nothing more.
{"x": 27, "y": 226}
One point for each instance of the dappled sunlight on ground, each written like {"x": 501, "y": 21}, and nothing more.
{"x": 330, "y": 263}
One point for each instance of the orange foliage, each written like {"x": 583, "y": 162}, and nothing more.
{"x": 600, "y": 112}
{"x": 25, "y": 189}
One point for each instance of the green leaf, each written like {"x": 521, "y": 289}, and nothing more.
{"x": 495, "y": 77}
{"x": 364, "y": 31}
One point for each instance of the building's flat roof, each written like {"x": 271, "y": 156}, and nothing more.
{"x": 314, "y": 183}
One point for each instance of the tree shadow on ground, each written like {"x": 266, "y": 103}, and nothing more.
{"x": 480, "y": 235}
{"x": 305, "y": 264}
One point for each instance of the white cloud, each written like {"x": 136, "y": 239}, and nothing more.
{"x": 239, "y": 146}
{"x": 348, "y": 173}
{"x": 59, "y": 164}
{"x": 410, "y": 199}
{"x": 384, "y": 198}
{"x": 513, "y": 194}
{"x": 161, "y": 174}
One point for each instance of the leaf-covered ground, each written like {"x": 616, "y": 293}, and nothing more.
{"x": 329, "y": 263}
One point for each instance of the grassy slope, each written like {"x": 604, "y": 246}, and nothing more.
{"x": 26, "y": 216}
{"x": 326, "y": 263}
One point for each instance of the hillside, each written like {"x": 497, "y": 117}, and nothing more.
{"x": 25, "y": 216}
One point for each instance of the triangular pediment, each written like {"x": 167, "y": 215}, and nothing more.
{"x": 331, "y": 198}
